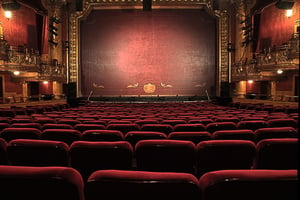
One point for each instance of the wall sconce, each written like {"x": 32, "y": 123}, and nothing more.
{"x": 45, "y": 82}
{"x": 289, "y": 13}
{"x": 16, "y": 73}
{"x": 279, "y": 71}
{"x": 10, "y": 6}
{"x": 250, "y": 81}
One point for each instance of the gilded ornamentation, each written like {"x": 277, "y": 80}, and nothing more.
{"x": 149, "y": 88}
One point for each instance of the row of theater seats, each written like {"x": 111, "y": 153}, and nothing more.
{"x": 94, "y": 133}
{"x": 153, "y": 155}
{"x": 64, "y": 183}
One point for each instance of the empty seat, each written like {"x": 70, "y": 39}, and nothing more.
{"x": 84, "y": 127}
{"x": 57, "y": 126}
{"x": 4, "y": 125}
{"x": 173, "y": 122}
{"x": 249, "y": 184}
{"x": 194, "y": 137}
{"x": 20, "y": 133}
{"x": 44, "y": 120}
{"x": 146, "y": 121}
{"x": 201, "y": 121}
{"x": 227, "y": 119}
{"x": 3, "y": 154}
{"x": 88, "y": 157}
{"x": 224, "y": 154}
{"x": 26, "y": 125}
{"x": 276, "y": 132}
{"x": 277, "y": 154}
{"x": 217, "y": 126}
{"x": 101, "y": 122}
{"x": 36, "y": 183}
{"x": 243, "y": 134}
{"x": 189, "y": 127}
{"x": 102, "y": 135}
{"x": 252, "y": 124}
{"x": 164, "y": 128}
{"x": 64, "y": 135}
{"x": 72, "y": 122}
{"x": 282, "y": 123}
{"x": 26, "y": 152}
{"x": 134, "y": 136}
{"x": 124, "y": 128}
{"x": 165, "y": 156}
{"x": 136, "y": 185}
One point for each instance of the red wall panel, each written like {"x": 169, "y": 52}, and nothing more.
{"x": 275, "y": 26}
{"x": 162, "y": 52}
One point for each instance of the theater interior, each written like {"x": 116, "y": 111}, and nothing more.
{"x": 149, "y": 99}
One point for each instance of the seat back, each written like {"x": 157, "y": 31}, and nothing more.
{"x": 36, "y": 183}
{"x": 252, "y": 124}
{"x": 164, "y": 128}
{"x": 165, "y": 155}
{"x": 64, "y": 135}
{"x": 189, "y": 127}
{"x": 277, "y": 154}
{"x": 275, "y": 132}
{"x": 134, "y": 136}
{"x": 243, "y": 134}
{"x": 26, "y": 152}
{"x": 88, "y": 157}
{"x": 283, "y": 123}
{"x": 124, "y": 128}
{"x": 217, "y": 126}
{"x": 20, "y": 133}
{"x": 102, "y": 135}
{"x": 136, "y": 185}
{"x": 194, "y": 137}
{"x": 3, "y": 154}
{"x": 249, "y": 184}
{"x": 224, "y": 154}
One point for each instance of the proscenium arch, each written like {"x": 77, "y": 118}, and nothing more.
{"x": 222, "y": 61}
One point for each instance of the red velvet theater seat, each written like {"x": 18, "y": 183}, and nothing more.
{"x": 137, "y": 185}
{"x": 56, "y": 126}
{"x": 26, "y": 125}
{"x": 36, "y": 183}
{"x": 165, "y": 156}
{"x": 164, "y": 128}
{"x": 26, "y": 152}
{"x": 64, "y": 135}
{"x": 20, "y": 133}
{"x": 282, "y": 123}
{"x": 277, "y": 154}
{"x": 124, "y": 128}
{"x": 3, "y": 154}
{"x": 243, "y": 134}
{"x": 88, "y": 157}
{"x": 276, "y": 132}
{"x": 252, "y": 124}
{"x": 194, "y": 137}
{"x": 249, "y": 184}
{"x": 224, "y": 154}
{"x": 84, "y": 127}
{"x": 189, "y": 127}
{"x": 102, "y": 135}
{"x": 217, "y": 126}
{"x": 134, "y": 136}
